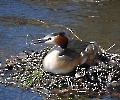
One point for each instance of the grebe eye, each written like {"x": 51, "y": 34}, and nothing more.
{"x": 49, "y": 39}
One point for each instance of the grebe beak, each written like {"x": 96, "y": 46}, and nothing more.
{"x": 46, "y": 39}
{"x": 37, "y": 41}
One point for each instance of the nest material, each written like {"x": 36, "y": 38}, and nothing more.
{"x": 25, "y": 70}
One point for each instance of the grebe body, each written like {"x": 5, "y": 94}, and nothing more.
{"x": 67, "y": 54}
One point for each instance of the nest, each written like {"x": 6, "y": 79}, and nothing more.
{"x": 25, "y": 70}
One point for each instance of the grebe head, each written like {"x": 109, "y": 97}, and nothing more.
{"x": 55, "y": 38}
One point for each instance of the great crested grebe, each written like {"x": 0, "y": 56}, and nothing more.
{"x": 67, "y": 54}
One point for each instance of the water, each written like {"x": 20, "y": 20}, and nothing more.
{"x": 91, "y": 20}
{"x": 17, "y": 94}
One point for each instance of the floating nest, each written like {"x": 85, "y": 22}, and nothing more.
{"x": 25, "y": 70}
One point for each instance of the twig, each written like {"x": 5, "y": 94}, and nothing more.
{"x": 110, "y": 47}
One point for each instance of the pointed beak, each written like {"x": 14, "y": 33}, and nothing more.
{"x": 37, "y": 41}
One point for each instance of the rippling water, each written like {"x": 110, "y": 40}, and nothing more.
{"x": 91, "y": 20}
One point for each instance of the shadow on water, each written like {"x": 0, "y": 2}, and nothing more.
{"x": 91, "y": 20}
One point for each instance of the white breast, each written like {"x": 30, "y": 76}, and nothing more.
{"x": 50, "y": 61}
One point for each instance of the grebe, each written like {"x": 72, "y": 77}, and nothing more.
{"x": 67, "y": 54}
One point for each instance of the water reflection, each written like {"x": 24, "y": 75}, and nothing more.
{"x": 53, "y": 2}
